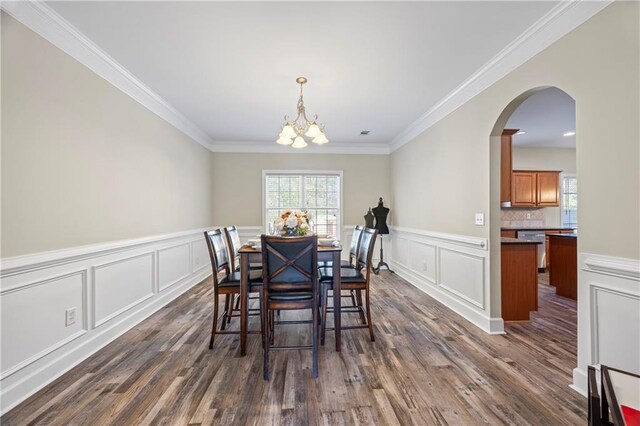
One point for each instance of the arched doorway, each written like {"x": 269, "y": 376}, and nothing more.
{"x": 540, "y": 126}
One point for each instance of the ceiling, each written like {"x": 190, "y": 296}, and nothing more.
{"x": 545, "y": 117}
{"x": 230, "y": 68}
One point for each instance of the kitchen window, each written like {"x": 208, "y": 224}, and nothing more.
{"x": 318, "y": 192}
{"x": 569, "y": 201}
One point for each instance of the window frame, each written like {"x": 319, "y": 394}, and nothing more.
{"x": 338, "y": 173}
{"x": 564, "y": 176}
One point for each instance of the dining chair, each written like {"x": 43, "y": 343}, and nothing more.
{"x": 234, "y": 244}
{"x": 356, "y": 279}
{"x": 227, "y": 285}
{"x": 353, "y": 249}
{"x": 290, "y": 282}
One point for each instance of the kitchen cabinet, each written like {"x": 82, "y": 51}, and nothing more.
{"x": 548, "y": 189}
{"x": 509, "y": 233}
{"x": 506, "y": 166}
{"x": 523, "y": 189}
{"x": 563, "y": 254}
{"x": 535, "y": 188}
{"x": 546, "y": 244}
{"x": 519, "y": 279}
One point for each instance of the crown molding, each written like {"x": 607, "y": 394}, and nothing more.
{"x": 559, "y": 21}
{"x": 47, "y": 23}
{"x": 272, "y": 147}
{"x": 44, "y": 21}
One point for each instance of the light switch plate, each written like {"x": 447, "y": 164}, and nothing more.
{"x": 479, "y": 219}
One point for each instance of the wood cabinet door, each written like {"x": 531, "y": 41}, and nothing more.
{"x": 508, "y": 233}
{"x": 506, "y": 166}
{"x": 523, "y": 189}
{"x": 548, "y": 189}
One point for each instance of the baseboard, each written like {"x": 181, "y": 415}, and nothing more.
{"x": 485, "y": 323}
{"x": 579, "y": 381}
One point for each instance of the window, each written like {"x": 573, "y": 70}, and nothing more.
{"x": 320, "y": 193}
{"x": 569, "y": 201}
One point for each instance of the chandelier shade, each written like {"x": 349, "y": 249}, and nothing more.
{"x": 292, "y": 131}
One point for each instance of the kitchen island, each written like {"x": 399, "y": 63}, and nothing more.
{"x": 519, "y": 278}
{"x": 563, "y": 255}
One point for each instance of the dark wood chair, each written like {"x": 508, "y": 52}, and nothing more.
{"x": 290, "y": 282}
{"x": 356, "y": 279}
{"x": 353, "y": 249}
{"x": 234, "y": 244}
{"x": 228, "y": 284}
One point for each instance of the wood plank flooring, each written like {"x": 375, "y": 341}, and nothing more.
{"x": 427, "y": 366}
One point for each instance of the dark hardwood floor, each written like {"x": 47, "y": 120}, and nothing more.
{"x": 427, "y": 366}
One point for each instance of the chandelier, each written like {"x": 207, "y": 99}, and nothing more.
{"x": 292, "y": 131}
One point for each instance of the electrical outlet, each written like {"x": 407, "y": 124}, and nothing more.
{"x": 480, "y": 219}
{"x": 70, "y": 317}
{"x": 528, "y": 215}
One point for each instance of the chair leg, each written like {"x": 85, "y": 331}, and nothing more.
{"x": 261, "y": 321}
{"x": 265, "y": 339}
{"x": 215, "y": 319}
{"x": 354, "y": 297}
{"x": 314, "y": 335}
{"x": 359, "y": 305}
{"x": 373, "y": 339}
{"x": 226, "y": 312}
{"x": 271, "y": 326}
{"x": 323, "y": 319}
{"x": 230, "y": 311}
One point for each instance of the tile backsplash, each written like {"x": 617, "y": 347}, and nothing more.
{"x": 526, "y": 218}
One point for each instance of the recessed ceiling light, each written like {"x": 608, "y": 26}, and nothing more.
{"x": 569, "y": 134}
{"x": 521, "y": 132}
{"x": 365, "y": 132}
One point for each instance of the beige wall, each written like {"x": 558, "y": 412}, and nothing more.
{"x": 559, "y": 159}
{"x": 82, "y": 162}
{"x": 238, "y": 183}
{"x": 441, "y": 178}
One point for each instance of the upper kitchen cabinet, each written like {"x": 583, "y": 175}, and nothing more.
{"x": 535, "y": 188}
{"x": 523, "y": 189}
{"x": 548, "y": 189}
{"x": 506, "y": 166}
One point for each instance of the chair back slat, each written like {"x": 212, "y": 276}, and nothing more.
{"x": 289, "y": 264}
{"x": 365, "y": 251}
{"x": 355, "y": 242}
{"x": 217, "y": 250}
{"x": 234, "y": 244}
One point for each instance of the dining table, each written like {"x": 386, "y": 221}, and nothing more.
{"x": 253, "y": 254}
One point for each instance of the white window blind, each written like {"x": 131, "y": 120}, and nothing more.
{"x": 315, "y": 192}
{"x": 569, "y": 202}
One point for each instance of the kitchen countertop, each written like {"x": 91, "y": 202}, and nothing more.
{"x": 573, "y": 235}
{"x": 545, "y": 228}
{"x": 507, "y": 240}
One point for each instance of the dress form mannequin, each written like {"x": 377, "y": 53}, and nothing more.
{"x": 368, "y": 219}
{"x": 381, "y": 212}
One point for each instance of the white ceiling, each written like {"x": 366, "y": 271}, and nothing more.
{"x": 545, "y": 117}
{"x": 230, "y": 68}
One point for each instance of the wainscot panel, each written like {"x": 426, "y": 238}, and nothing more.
{"x": 608, "y": 315}
{"x": 453, "y": 269}
{"x": 109, "y": 288}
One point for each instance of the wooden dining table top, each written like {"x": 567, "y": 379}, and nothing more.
{"x": 253, "y": 249}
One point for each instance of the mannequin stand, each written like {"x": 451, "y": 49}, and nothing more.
{"x": 381, "y": 263}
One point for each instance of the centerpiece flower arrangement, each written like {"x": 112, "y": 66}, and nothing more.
{"x": 294, "y": 223}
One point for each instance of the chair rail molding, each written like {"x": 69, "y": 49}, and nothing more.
{"x": 608, "y": 315}
{"x": 112, "y": 287}
{"x": 453, "y": 269}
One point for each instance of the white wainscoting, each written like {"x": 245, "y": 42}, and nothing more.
{"x": 453, "y": 269}
{"x": 608, "y": 315}
{"x": 112, "y": 286}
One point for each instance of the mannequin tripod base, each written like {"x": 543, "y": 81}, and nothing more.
{"x": 376, "y": 270}
{"x": 381, "y": 263}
